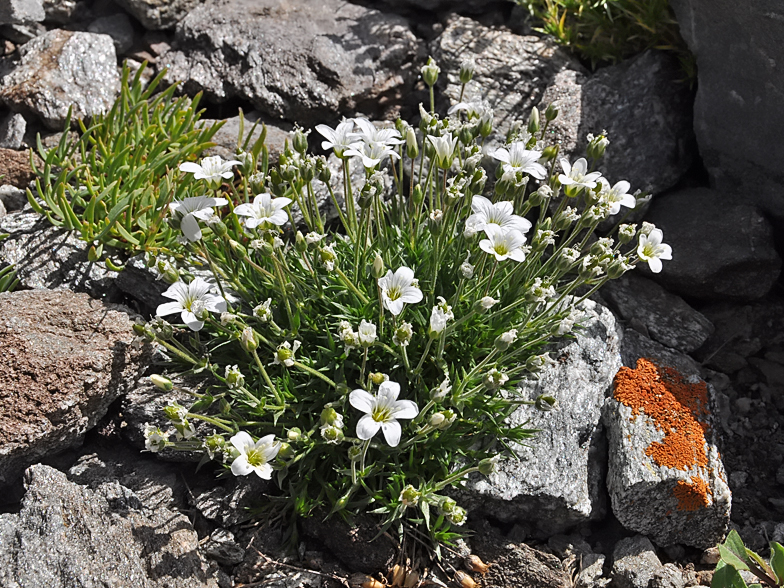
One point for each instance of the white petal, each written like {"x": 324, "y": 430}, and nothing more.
{"x": 168, "y": 308}
{"x": 246, "y": 209}
{"x": 537, "y": 170}
{"x": 411, "y": 295}
{"x": 404, "y": 276}
{"x": 190, "y": 167}
{"x": 263, "y": 471}
{"x": 501, "y": 155}
{"x": 392, "y": 432}
{"x": 270, "y": 450}
{"x": 190, "y": 319}
{"x": 240, "y": 466}
{"x": 517, "y": 255}
{"x": 655, "y": 264}
{"x": 242, "y": 441}
{"x": 214, "y": 303}
{"x": 367, "y": 427}
{"x": 486, "y": 246}
{"x": 362, "y": 400}
{"x": 190, "y": 228}
{"x": 389, "y": 389}
{"x": 406, "y": 409}
{"x": 393, "y": 306}
{"x": 278, "y": 218}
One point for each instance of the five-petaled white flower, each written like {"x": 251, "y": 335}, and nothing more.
{"x": 192, "y": 300}
{"x": 398, "y": 289}
{"x": 503, "y": 244}
{"x": 190, "y": 209}
{"x": 382, "y": 411}
{"x": 264, "y": 211}
{"x": 500, "y": 214}
{"x": 254, "y": 457}
{"x": 652, "y": 250}
{"x": 577, "y": 174}
{"x": 370, "y": 133}
{"x": 338, "y": 139}
{"x": 617, "y": 195}
{"x": 371, "y": 153}
{"x": 444, "y": 147}
{"x": 439, "y": 316}
{"x": 519, "y": 159}
{"x": 212, "y": 169}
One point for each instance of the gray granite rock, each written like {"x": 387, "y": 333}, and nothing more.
{"x": 557, "y": 481}
{"x": 61, "y": 11}
{"x": 636, "y": 345}
{"x": 67, "y": 535}
{"x": 66, "y": 358}
{"x": 645, "y": 107}
{"x": 722, "y": 248}
{"x": 159, "y": 14}
{"x": 228, "y": 504}
{"x": 12, "y": 130}
{"x": 223, "y": 548}
{"x": 665, "y": 476}
{"x": 118, "y": 26}
{"x": 461, "y": 6}
{"x": 227, "y": 136}
{"x": 665, "y": 317}
{"x": 591, "y": 574}
{"x": 634, "y": 563}
{"x": 298, "y": 60}
{"x": 3, "y": 211}
{"x": 21, "y": 11}
{"x": 737, "y": 119}
{"x": 62, "y": 70}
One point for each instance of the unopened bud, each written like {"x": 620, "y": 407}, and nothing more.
{"x": 238, "y": 248}
{"x": 248, "y": 340}
{"x": 551, "y": 112}
{"x": 299, "y": 242}
{"x": 378, "y": 267}
{"x": 412, "y": 147}
{"x": 378, "y": 378}
{"x": 533, "y": 121}
{"x": 294, "y": 434}
{"x": 430, "y": 72}
{"x": 94, "y": 253}
{"x": 418, "y": 196}
{"x": 488, "y": 465}
{"x": 161, "y": 383}
{"x": 475, "y": 564}
{"x": 544, "y": 403}
{"x": 437, "y": 420}
{"x": 300, "y": 140}
{"x": 466, "y": 71}
{"x": 626, "y": 233}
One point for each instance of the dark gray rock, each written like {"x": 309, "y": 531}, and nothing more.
{"x": 636, "y": 345}
{"x": 665, "y": 317}
{"x": 159, "y": 14}
{"x": 61, "y": 11}
{"x": 66, "y": 358}
{"x": 645, "y": 107}
{"x": 62, "y": 70}
{"x": 461, "y": 6}
{"x": 228, "y": 504}
{"x": 722, "y": 249}
{"x": 118, "y": 26}
{"x": 740, "y": 58}
{"x": 298, "y": 60}
{"x": 634, "y": 563}
{"x": 12, "y": 131}
{"x": 21, "y": 11}
{"x": 50, "y": 258}
{"x": 227, "y": 136}
{"x": 557, "y": 481}
{"x": 68, "y": 535}
{"x": 665, "y": 476}
{"x": 223, "y": 548}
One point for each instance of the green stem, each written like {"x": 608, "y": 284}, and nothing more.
{"x": 313, "y": 372}
{"x": 267, "y": 379}
{"x": 351, "y": 286}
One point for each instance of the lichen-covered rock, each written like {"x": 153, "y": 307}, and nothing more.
{"x": 557, "y": 481}
{"x": 62, "y": 70}
{"x": 299, "y": 60}
{"x": 67, "y": 535}
{"x": 66, "y": 358}
{"x": 665, "y": 476}
{"x": 664, "y": 316}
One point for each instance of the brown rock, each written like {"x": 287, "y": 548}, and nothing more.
{"x": 15, "y": 167}
{"x": 66, "y": 358}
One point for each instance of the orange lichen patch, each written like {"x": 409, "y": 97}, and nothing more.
{"x": 673, "y": 405}
{"x": 692, "y": 495}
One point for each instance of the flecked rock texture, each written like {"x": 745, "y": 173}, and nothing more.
{"x": 66, "y": 358}
{"x": 159, "y": 14}
{"x": 68, "y": 535}
{"x": 556, "y": 482}
{"x": 60, "y": 70}
{"x": 665, "y": 476}
{"x": 300, "y": 60}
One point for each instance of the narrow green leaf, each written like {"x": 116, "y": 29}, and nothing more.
{"x": 777, "y": 561}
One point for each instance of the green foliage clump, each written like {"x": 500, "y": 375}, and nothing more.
{"x": 608, "y": 31}
{"x": 736, "y": 558}
{"x": 112, "y": 183}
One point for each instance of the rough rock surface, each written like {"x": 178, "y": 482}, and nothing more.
{"x": 67, "y": 535}
{"x": 636, "y": 345}
{"x": 645, "y": 107}
{"x": 60, "y": 70}
{"x": 226, "y": 137}
{"x": 557, "y": 481}
{"x": 723, "y": 248}
{"x": 21, "y": 11}
{"x": 298, "y": 60}
{"x": 66, "y": 358}
{"x": 50, "y": 258}
{"x": 12, "y": 131}
{"x": 461, "y": 6}
{"x": 665, "y": 476}
{"x": 159, "y": 14}
{"x": 634, "y": 563}
{"x": 12, "y": 198}
{"x": 15, "y": 168}
{"x": 664, "y": 316}
{"x": 739, "y": 87}
{"x": 118, "y": 26}
{"x": 228, "y": 504}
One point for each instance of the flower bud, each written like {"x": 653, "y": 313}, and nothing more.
{"x": 299, "y": 242}
{"x": 234, "y": 377}
{"x": 549, "y": 152}
{"x": 378, "y": 378}
{"x": 597, "y": 146}
{"x": 430, "y": 72}
{"x": 294, "y": 434}
{"x": 249, "y": 340}
{"x": 286, "y": 451}
{"x": 486, "y": 124}
{"x": 378, "y": 267}
{"x": 329, "y": 416}
{"x": 544, "y": 403}
{"x": 437, "y": 420}
{"x": 475, "y": 564}
{"x": 466, "y": 71}
{"x": 434, "y": 223}
{"x": 94, "y": 253}
{"x": 626, "y": 233}
{"x": 457, "y": 517}
{"x": 219, "y": 228}
{"x": 412, "y": 147}
{"x": 551, "y": 112}
{"x": 446, "y": 506}
{"x": 418, "y": 195}
{"x": 449, "y": 418}
{"x": 300, "y": 140}
{"x": 161, "y": 383}
{"x": 467, "y": 270}
{"x": 355, "y": 452}
{"x": 536, "y": 362}
{"x": 410, "y": 496}
{"x": 504, "y": 340}
{"x": 489, "y": 465}
{"x": 533, "y": 121}
{"x": 238, "y": 249}
{"x": 484, "y": 304}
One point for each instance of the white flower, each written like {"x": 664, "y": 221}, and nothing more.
{"x": 500, "y": 214}
{"x": 254, "y": 457}
{"x": 398, "y": 289}
{"x": 366, "y": 333}
{"x": 190, "y": 209}
{"x": 190, "y": 298}
{"x": 576, "y": 175}
{"x": 474, "y": 109}
{"x": 403, "y": 334}
{"x": 369, "y": 134}
{"x": 154, "y": 438}
{"x": 440, "y": 315}
{"x": 495, "y": 379}
{"x": 338, "y": 139}
{"x": 265, "y": 211}
{"x": 234, "y": 377}
{"x": 313, "y": 237}
{"x": 445, "y": 149}
{"x": 263, "y": 312}
{"x": 518, "y": 159}
{"x": 616, "y": 196}
{"x": 213, "y": 169}
{"x": 371, "y": 153}
{"x": 347, "y": 335}
{"x": 382, "y": 411}
{"x": 503, "y": 244}
{"x": 444, "y": 388}
{"x": 467, "y": 270}
{"x": 652, "y": 250}
{"x": 285, "y": 353}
